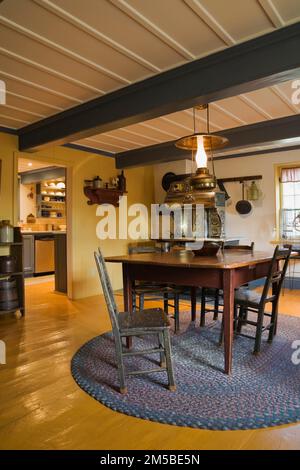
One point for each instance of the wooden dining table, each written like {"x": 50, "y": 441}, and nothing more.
{"x": 226, "y": 271}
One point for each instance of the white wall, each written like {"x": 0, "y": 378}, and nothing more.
{"x": 258, "y": 226}
{"x": 27, "y": 204}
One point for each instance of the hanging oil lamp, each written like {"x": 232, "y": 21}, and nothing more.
{"x": 202, "y": 146}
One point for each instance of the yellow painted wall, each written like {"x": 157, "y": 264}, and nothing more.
{"x": 8, "y": 145}
{"x": 82, "y": 221}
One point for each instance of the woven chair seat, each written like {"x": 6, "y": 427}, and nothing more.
{"x": 250, "y": 298}
{"x": 153, "y": 318}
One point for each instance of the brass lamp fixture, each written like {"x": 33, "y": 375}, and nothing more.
{"x": 202, "y": 146}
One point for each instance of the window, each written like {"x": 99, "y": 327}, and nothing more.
{"x": 290, "y": 203}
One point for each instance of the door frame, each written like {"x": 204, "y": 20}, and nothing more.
{"x": 69, "y": 216}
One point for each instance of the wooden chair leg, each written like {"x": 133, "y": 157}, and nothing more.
{"x": 170, "y": 372}
{"x": 162, "y": 354}
{"x": 141, "y": 302}
{"x": 134, "y": 301}
{"x": 241, "y": 318}
{"x": 216, "y": 305}
{"x": 120, "y": 364}
{"x": 235, "y": 318}
{"x": 176, "y": 312}
{"x": 193, "y": 303}
{"x": 221, "y": 338}
{"x": 260, "y": 321}
{"x": 203, "y": 306}
{"x": 273, "y": 323}
{"x": 166, "y": 303}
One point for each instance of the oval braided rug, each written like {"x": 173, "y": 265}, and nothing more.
{"x": 262, "y": 391}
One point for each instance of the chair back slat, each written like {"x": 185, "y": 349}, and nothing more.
{"x": 107, "y": 290}
{"x": 275, "y": 275}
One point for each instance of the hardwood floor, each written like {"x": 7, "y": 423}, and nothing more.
{"x": 41, "y": 407}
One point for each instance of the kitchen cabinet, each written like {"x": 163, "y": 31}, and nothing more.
{"x": 28, "y": 256}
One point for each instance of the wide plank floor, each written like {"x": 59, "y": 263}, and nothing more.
{"x": 41, "y": 407}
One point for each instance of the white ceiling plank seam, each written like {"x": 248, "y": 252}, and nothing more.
{"x": 175, "y": 123}
{"x": 138, "y": 134}
{"x": 50, "y": 71}
{"x": 14, "y": 119}
{"x": 77, "y": 57}
{"x": 272, "y": 13}
{"x": 91, "y": 139}
{"x": 83, "y": 26}
{"x": 228, "y": 113}
{"x": 285, "y": 98}
{"x": 41, "y": 87}
{"x": 203, "y": 119}
{"x": 159, "y": 129}
{"x": 255, "y": 106}
{"x": 211, "y": 21}
{"x": 121, "y": 139}
{"x": 16, "y": 108}
{"x": 150, "y": 26}
{"x": 17, "y": 95}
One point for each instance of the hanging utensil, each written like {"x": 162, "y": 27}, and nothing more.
{"x": 243, "y": 206}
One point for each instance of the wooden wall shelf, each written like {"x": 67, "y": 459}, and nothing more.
{"x": 103, "y": 196}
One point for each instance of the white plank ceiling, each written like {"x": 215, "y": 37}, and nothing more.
{"x": 55, "y": 54}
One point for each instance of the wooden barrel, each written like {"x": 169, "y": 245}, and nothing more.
{"x": 8, "y": 295}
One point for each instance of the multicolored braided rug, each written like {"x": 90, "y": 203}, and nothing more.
{"x": 262, "y": 391}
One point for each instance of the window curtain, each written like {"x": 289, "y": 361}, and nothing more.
{"x": 290, "y": 175}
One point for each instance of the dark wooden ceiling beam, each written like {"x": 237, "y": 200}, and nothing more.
{"x": 257, "y": 63}
{"x": 273, "y": 133}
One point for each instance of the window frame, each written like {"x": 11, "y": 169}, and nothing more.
{"x": 279, "y": 195}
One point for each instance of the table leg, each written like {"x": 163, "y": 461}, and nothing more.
{"x": 127, "y": 293}
{"x": 228, "y": 289}
{"x": 193, "y": 302}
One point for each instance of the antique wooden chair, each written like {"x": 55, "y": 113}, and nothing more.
{"x": 216, "y": 295}
{"x": 247, "y": 300}
{"x": 127, "y": 324}
{"x": 152, "y": 291}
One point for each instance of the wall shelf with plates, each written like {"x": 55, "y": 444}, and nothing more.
{"x": 50, "y": 199}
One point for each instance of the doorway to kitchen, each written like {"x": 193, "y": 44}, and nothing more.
{"x": 42, "y": 195}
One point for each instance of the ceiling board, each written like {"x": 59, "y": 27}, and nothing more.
{"x": 56, "y": 54}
